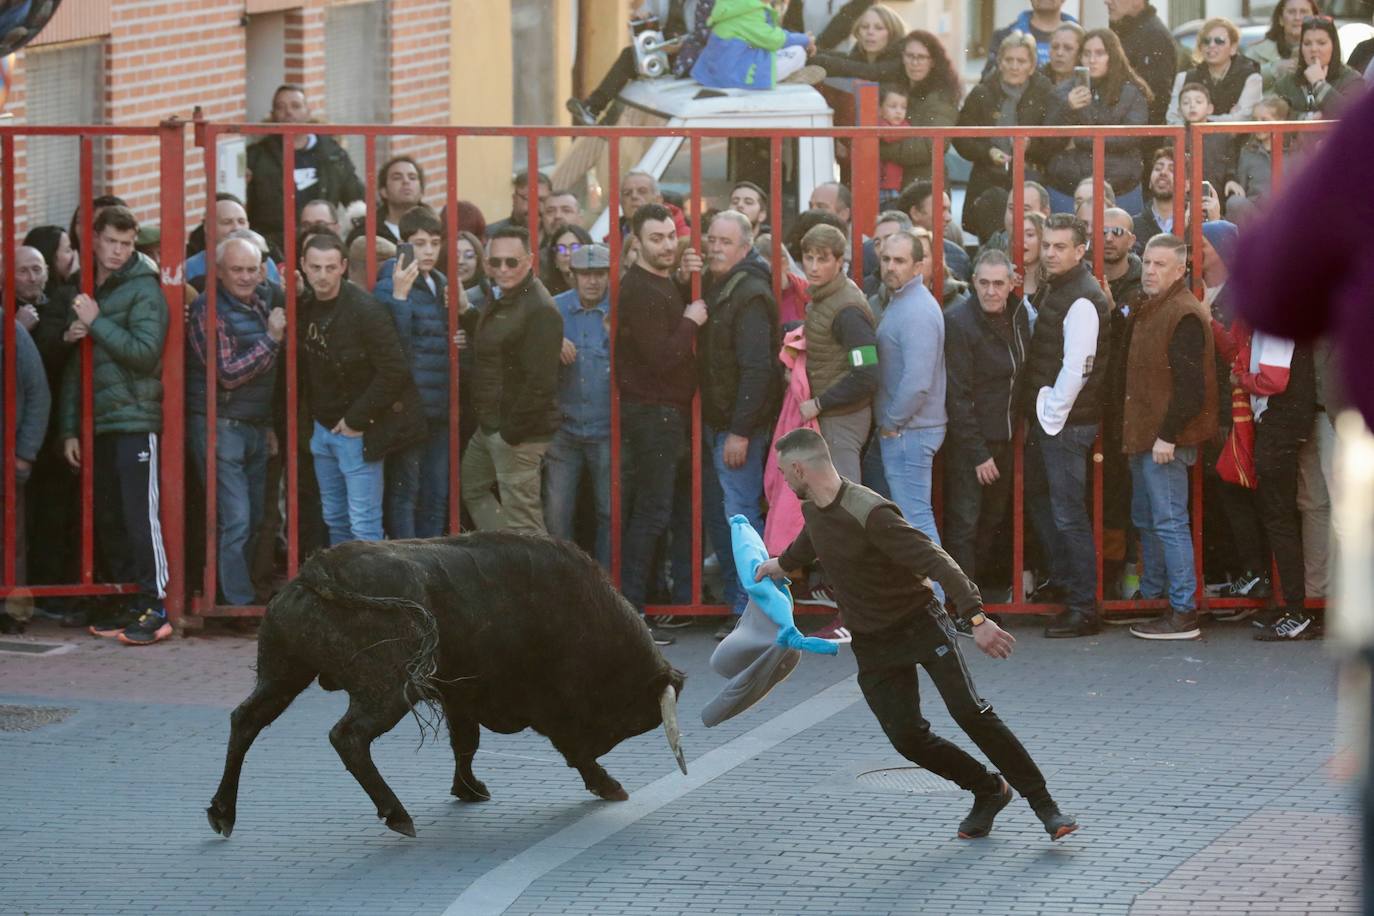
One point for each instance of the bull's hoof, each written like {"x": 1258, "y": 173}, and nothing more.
{"x": 220, "y": 821}
{"x": 402, "y": 824}
{"x": 612, "y": 791}
{"x": 473, "y": 790}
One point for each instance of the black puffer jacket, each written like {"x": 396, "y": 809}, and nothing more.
{"x": 338, "y": 183}
{"x": 741, "y": 378}
{"x": 1070, "y": 161}
{"x": 982, "y": 365}
{"x": 982, "y": 109}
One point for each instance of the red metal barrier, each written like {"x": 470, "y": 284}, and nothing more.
{"x": 170, "y": 136}
{"x": 864, "y": 142}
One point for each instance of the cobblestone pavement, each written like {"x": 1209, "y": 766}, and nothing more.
{"x": 1201, "y": 773}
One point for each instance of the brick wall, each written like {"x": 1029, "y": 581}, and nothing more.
{"x": 165, "y": 57}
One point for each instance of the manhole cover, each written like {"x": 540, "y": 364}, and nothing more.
{"x": 28, "y": 718}
{"x": 906, "y": 781}
{"x": 34, "y": 647}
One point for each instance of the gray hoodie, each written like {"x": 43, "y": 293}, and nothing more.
{"x": 911, "y": 357}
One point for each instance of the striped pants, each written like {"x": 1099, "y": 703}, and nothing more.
{"x": 127, "y": 527}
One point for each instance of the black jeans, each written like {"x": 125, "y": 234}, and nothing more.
{"x": 653, "y": 443}
{"x": 887, "y": 676}
{"x": 1276, "y": 470}
{"x": 975, "y": 530}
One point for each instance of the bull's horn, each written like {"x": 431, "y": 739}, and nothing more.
{"x": 667, "y": 703}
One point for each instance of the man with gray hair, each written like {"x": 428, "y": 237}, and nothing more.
{"x": 985, "y": 346}
{"x": 741, "y": 387}
{"x": 881, "y": 567}
{"x": 639, "y": 188}
{"x": 247, "y": 344}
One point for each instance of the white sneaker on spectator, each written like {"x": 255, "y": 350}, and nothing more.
{"x": 821, "y": 596}
{"x": 671, "y": 621}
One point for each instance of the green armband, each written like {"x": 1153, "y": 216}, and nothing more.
{"x": 863, "y": 356}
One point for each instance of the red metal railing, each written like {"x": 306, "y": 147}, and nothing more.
{"x": 170, "y": 136}
{"x": 864, "y": 141}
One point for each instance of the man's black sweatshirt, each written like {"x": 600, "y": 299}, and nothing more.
{"x": 877, "y": 563}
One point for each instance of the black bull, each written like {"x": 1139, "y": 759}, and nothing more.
{"x": 506, "y": 631}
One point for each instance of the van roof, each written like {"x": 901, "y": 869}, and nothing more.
{"x": 686, "y": 98}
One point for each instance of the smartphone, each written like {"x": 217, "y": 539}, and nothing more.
{"x": 1208, "y": 190}
{"x": 405, "y": 254}
{"x": 1080, "y": 77}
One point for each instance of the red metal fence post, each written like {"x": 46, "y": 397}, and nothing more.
{"x": 172, "y": 254}
{"x": 10, "y": 334}
{"x": 863, "y": 212}
{"x": 87, "y": 356}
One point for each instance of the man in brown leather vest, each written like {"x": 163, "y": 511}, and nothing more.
{"x": 1170, "y": 408}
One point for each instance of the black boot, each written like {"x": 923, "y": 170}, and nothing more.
{"x": 1071, "y": 624}
{"x": 582, "y": 115}
{"x": 978, "y": 824}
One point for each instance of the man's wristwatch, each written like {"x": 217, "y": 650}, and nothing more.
{"x": 977, "y": 619}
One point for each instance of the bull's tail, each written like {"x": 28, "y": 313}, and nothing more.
{"x": 421, "y": 682}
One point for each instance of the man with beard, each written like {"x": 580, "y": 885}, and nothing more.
{"x": 1158, "y": 217}
{"x": 400, "y": 189}
{"x": 1121, "y": 270}
{"x": 880, "y": 566}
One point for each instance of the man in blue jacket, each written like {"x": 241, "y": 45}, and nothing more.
{"x": 417, "y": 476}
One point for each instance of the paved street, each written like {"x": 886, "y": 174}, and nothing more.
{"x": 1202, "y": 774}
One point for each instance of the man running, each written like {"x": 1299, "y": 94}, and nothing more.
{"x": 879, "y": 567}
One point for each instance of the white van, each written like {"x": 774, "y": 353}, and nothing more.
{"x": 806, "y": 161}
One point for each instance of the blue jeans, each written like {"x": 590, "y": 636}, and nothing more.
{"x": 240, "y": 480}
{"x": 731, "y": 491}
{"x": 564, "y": 462}
{"x": 653, "y": 441}
{"x": 417, "y": 486}
{"x": 1159, "y": 511}
{"x": 1056, "y": 495}
{"x": 350, "y": 488}
{"x": 871, "y": 465}
{"x": 908, "y": 460}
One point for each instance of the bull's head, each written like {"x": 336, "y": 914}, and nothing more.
{"x": 667, "y": 703}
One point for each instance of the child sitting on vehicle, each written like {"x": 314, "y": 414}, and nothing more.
{"x": 749, "y": 50}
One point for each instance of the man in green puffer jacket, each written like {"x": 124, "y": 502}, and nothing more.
{"x": 127, "y": 323}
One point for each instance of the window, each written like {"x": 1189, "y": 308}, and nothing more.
{"x": 357, "y": 69}
{"x": 65, "y": 85}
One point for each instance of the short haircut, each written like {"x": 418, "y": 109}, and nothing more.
{"x": 357, "y": 249}
{"x": 656, "y": 212}
{"x": 1019, "y": 39}
{"x": 887, "y": 89}
{"x": 1277, "y": 104}
{"x": 1119, "y": 213}
{"x": 746, "y": 228}
{"x": 395, "y": 160}
{"x": 1038, "y": 188}
{"x": 918, "y": 244}
{"x": 825, "y": 238}
{"x": 993, "y": 257}
{"x": 1108, "y": 193}
{"x": 319, "y": 202}
{"x": 1062, "y": 221}
{"x": 221, "y": 196}
{"x": 915, "y": 195}
{"x": 894, "y": 216}
{"x": 116, "y": 217}
{"x": 234, "y": 240}
{"x": 763, "y": 195}
{"x": 1171, "y": 242}
{"x": 1194, "y": 87}
{"x": 287, "y": 87}
{"x": 512, "y": 232}
{"x": 522, "y": 180}
{"x": 324, "y": 241}
{"x": 804, "y": 445}
{"x": 563, "y": 192}
{"x": 842, "y": 195}
{"x": 639, "y": 173}
{"x": 249, "y": 235}
{"x": 1164, "y": 152}
{"x": 420, "y": 219}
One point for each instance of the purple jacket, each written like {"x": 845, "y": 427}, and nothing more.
{"x": 1307, "y": 267}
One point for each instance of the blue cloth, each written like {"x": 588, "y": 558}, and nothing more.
{"x": 773, "y": 599}
{"x": 567, "y": 457}
{"x": 422, "y": 325}
{"x": 1159, "y": 511}
{"x": 733, "y": 63}
{"x": 351, "y": 487}
{"x": 195, "y": 268}
{"x": 584, "y": 388}
{"x": 911, "y": 360}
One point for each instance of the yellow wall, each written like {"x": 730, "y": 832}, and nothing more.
{"x": 480, "y": 94}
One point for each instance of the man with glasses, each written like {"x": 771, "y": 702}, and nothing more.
{"x": 516, "y": 342}
{"x": 1121, "y": 270}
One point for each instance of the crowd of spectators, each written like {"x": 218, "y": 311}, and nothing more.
{"x": 889, "y": 375}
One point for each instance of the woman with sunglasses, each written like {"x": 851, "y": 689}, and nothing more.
{"x": 557, "y": 269}
{"x": 1322, "y": 85}
{"x": 1276, "y": 53}
{"x": 1233, "y": 80}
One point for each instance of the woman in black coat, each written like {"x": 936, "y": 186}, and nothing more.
{"x": 1013, "y": 95}
{"x": 876, "y": 54}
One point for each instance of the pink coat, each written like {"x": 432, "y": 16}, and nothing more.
{"x": 784, "y": 521}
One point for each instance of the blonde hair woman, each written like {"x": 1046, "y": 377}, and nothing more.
{"x": 1232, "y": 80}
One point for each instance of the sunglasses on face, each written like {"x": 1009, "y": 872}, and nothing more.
{"x": 1217, "y": 40}
{"x": 507, "y": 263}
{"x": 1114, "y": 231}
{"x": 567, "y": 249}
